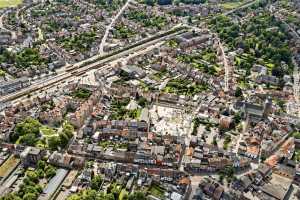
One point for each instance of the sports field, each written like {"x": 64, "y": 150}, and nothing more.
{"x": 9, "y": 3}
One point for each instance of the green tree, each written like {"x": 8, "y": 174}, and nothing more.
{"x": 39, "y": 188}
{"x": 237, "y": 117}
{"x": 68, "y": 129}
{"x": 29, "y": 129}
{"x": 64, "y": 139}
{"x": 238, "y": 92}
{"x": 44, "y": 142}
{"x": 74, "y": 197}
{"x": 29, "y": 57}
{"x": 109, "y": 197}
{"x": 10, "y": 196}
{"x": 278, "y": 71}
{"x": 138, "y": 195}
{"x": 41, "y": 164}
{"x": 96, "y": 182}
{"x": 30, "y": 196}
{"x": 150, "y": 2}
{"x": 28, "y": 139}
{"x": 116, "y": 192}
{"x": 190, "y": 21}
{"x": 32, "y": 176}
{"x": 54, "y": 142}
{"x": 50, "y": 171}
{"x": 142, "y": 101}
{"x": 40, "y": 173}
{"x": 29, "y": 125}
{"x": 214, "y": 142}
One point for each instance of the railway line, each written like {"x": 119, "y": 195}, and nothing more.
{"x": 92, "y": 63}
{"x": 82, "y": 67}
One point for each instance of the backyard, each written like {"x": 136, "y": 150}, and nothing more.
{"x": 184, "y": 87}
{"x": 120, "y": 112}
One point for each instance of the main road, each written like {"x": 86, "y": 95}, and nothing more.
{"x": 109, "y": 27}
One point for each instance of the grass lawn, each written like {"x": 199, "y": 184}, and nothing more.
{"x": 48, "y": 132}
{"x": 296, "y": 155}
{"x": 270, "y": 66}
{"x": 82, "y": 93}
{"x": 2, "y": 73}
{"x": 9, "y": 165}
{"x": 9, "y": 3}
{"x": 123, "y": 194}
{"x": 184, "y": 87}
{"x": 296, "y": 135}
{"x": 231, "y": 5}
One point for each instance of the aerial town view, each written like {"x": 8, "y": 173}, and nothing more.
{"x": 149, "y": 99}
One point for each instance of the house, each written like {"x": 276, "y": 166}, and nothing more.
{"x": 264, "y": 170}
{"x": 176, "y": 196}
{"x": 30, "y": 156}
{"x": 194, "y": 41}
{"x": 5, "y": 38}
{"x": 297, "y": 174}
{"x": 66, "y": 160}
{"x": 243, "y": 183}
{"x": 212, "y": 189}
{"x": 134, "y": 71}
{"x": 226, "y": 122}
{"x": 285, "y": 171}
{"x": 267, "y": 79}
{"x": 257, "y": 70}
{"x": 13, "y": 85}
{"x": 277, "y": 188}
{"x": 254, "y": 112}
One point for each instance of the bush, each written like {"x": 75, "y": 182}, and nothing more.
{"x": 50, "y": 171}
{"x": 238, "y": 92}
{"x": 96, "y": 182}
{"x": 137, "y": 196}
{"x": 28, "y": 130}
{"x": 54, "y": 142}
{"x": 82, "y": 93}
{"x": 32, "y": 176}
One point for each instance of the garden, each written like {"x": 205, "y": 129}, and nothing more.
{"x": 205, "y": 61}
{"x": 32, "y": 133}
{"x": 80, "y": 43}
{"x": 119, "y": 111}
{"x": 186, "y": 87}
{"x": 123, "y": 32}
{"x": 263, "y": 40}
{"x": 82, "y": 93}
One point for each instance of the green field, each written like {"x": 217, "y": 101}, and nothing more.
{"x": 9, "y": 3}
{"x": 232, "y": 5}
